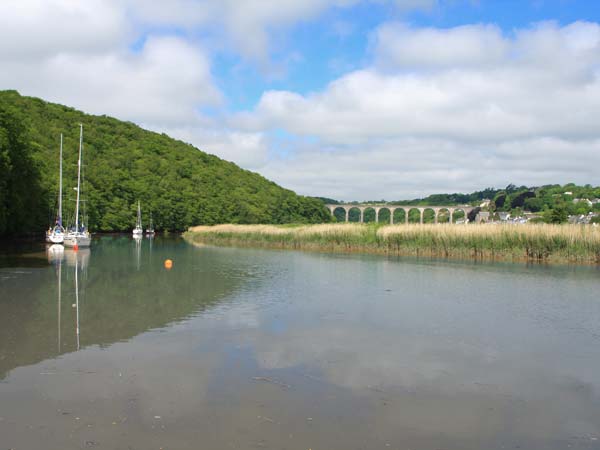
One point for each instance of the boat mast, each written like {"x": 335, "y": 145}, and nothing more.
{"x": 78, "y": 178}
{"x": 60, "y": 184}
{"x": 139, "y": 216}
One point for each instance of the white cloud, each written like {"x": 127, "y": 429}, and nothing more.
{"x": 399, "y": 45}
{"x": 422, "y": 124}
{"x": 514, "y": 98}
{"x": 413, "y": 167}
{"x": 40, "y": 28}
{"x": 247, "y": 23}
{"x": 247, "y": 149}
{"x": 162, "y": 84}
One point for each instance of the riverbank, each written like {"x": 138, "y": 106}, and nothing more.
{"x": 540, "y": 242}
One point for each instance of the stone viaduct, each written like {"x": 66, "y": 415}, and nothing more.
{"x": 406, "y": 208}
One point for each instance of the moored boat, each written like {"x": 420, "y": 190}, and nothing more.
{"x": 150, "y": 229}
{"x": 79, "y": 236}
{"x": 56, "y": 235}
{"x": 138, "y": 231}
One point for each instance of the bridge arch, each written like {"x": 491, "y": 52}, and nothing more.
{"x": 413, "y": 214}
{"x": 369, "y": 214}
{"x": 340, "y": 213}
{"x": 429, "y": 214}
{"x": 384, "y": 214}
{"x": 355, "y": 213}
{"x": 460, "y": 214}
{"x": 443, "y": 215}
{"x": 399, "y": 214}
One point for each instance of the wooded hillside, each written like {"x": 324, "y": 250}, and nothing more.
{"x": 179, "y": 184}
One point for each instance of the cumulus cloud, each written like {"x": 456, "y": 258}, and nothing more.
{"x": 40, "y": 28}
{"x": 162, "y": 84}
{"x": 247, "y": 149}
{"x": 401, "y": 45}
{"x": 415, "y": 167}
{"x": 456, "y": 118}
{"x": 514, "y": 98}
{"x": 247, "y": 23}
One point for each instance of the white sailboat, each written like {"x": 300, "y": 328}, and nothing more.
{"x": 79, "y": 237}
{"x": 138, "y": 230}
{"x": 56, "y": 235}
{"x": 150, "y": 229}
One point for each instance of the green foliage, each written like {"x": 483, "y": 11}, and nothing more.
{"x": 516, "y": 199}
{"x": 556, "y": 215}
{"x": 21, "y": 196}
{"x": 500, "y": 200}
{"x": 534, "y": 204}
{"x": 174, "y": 181}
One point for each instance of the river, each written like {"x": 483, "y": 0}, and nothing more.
{"x": 263, "y": 349}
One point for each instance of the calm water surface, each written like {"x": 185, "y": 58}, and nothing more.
{"x": 246, "y": 349}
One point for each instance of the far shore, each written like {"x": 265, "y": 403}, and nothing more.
{"x": 534, "y": 243}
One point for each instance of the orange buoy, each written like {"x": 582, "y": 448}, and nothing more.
{"x": 76, "y": 247}
{"x": 168, "y": 263}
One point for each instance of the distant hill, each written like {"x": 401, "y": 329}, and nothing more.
{"x": 535, "y": 197}
{"x": 179, "y": 184}
{"x": 573, "y": 198}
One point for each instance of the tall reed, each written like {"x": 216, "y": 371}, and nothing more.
{"x": 540, "y": 242}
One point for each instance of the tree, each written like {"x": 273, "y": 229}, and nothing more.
{"x": 21, "y": 197}
{"x": 499, "y": 200}
{"x": 534, "y": 204}
{"x": 557, "y": 214}
{"x": 518, "y": 200}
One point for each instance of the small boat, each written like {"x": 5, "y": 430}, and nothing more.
{"x": 138, "y": 231}
{"x": 150, "y": 229}
{"x": 56, "y": 235}
{"x": 79, "y": 236}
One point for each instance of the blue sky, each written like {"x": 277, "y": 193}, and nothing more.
{"x": 349, "y": 99}
{"x": 338, "y": 40}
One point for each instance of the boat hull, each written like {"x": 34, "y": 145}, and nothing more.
{"x": 79, "y": 239}
{"x": 55, "y": 238}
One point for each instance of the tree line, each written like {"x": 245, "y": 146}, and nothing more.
{"x": 178, "y": 184}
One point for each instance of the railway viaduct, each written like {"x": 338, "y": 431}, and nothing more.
{"x": 391, "y": 208}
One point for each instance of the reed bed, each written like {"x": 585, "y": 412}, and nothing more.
{"x": 539, "y": 242}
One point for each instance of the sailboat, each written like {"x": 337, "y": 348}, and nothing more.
{"x": 56, "y": 235}
{"x": 79, "y": 237}
{"x": 150, "y": 229}
{"x": 138, "y": 230}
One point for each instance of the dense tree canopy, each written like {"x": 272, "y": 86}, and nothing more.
{"x": 22, "y": 201}
{"x": 174, "y": 181}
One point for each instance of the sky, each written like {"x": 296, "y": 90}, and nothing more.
{"x": 346, "y": 99}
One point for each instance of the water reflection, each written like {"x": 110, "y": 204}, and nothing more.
{"x": 105, "y": 298}
{"x": 291, "y": 350}
{"x": 138, "y": 249}
{"x": 75, "y": 259}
